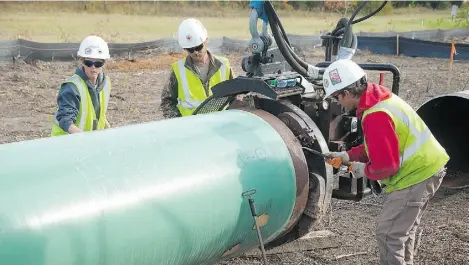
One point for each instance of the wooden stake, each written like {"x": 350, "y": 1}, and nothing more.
{"x": 453, "y": 51}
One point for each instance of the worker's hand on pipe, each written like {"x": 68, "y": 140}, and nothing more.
{"x": 337, "y": 159}
{"x": 358, "y": 169}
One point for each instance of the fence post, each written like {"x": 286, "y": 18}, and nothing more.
{"x": 397, "y": 44}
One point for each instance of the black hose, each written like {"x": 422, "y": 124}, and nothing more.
{"x": 279, "y": 23}
{"x": 342, "y": 30}
{"x": 293, "y": 60}
{"x": 276, "y": 21}
{"x": 284, "y": 49}
{"x": 347, "y": 29}
{"x": 347, "y": 39}
{"x": 372, "y": 13}
{"x": 355, "y": 12}
{"x": 284, "y": 44}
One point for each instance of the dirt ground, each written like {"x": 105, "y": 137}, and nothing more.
{"x": 28, "y": 100}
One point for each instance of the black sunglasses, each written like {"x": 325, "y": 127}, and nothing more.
{"x": 91, "y": 63}
{"x": 198, "y": 48}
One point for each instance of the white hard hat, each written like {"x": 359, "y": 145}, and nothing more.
{"x": 191, "y": 33}
{"x": 94, "y": 47}
{"x": 340, "y": 74}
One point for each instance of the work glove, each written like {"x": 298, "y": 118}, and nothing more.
{"x": 313, "y": 72}
{"x": 345, "y": 53}
{"x": 358, "y": 169}
{"x": 337, "y": 159}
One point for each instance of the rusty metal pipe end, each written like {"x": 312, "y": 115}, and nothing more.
{"x": 447, "y": 117}
{"x": 299, "y": 163}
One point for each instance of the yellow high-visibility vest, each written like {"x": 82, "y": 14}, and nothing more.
{"x": 86, "y": 113}
{"x": 421, "y": 155}
{"x": 191, "y": 92}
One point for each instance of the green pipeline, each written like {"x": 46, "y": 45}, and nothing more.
{"x": 165, "y": 192}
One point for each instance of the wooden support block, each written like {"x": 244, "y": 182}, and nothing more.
{"x": 313, "y": 240}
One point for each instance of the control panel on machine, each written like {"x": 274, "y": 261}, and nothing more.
{"x": 284, "y": 85}
{"x": 273, "y": 86}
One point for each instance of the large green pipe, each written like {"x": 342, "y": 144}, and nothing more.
{"x": 166, "y": 192}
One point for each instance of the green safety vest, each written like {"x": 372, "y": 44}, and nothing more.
{"x": 421, "y": 155}
{"x": 191, "y": 92}
{"x": 86, "y": 113}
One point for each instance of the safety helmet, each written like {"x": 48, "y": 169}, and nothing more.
{"x": 93, "y": 47}
{"x": 191, "y": 33}
{"x": 341, "y": 74}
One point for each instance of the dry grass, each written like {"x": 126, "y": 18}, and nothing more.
{"x": 44, "y": 25}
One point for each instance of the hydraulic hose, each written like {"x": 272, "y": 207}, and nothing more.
{"x": 280, "y": 36}
{"x": 348, "y": 38}
{"x": 279, "y": 23}
{"x": 339, "y": 31}
{"x": 290, "y": 56}
{"x": 296, "y": 63}
{"x": 371, "y": 14}
{"x": 355, "y": 12}
{"x": 293, "y": 54}
{"x": 274, "y": 21}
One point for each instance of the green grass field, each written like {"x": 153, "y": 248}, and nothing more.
{"x": 59, "y": 26}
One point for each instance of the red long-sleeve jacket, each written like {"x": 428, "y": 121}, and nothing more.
{"x": 381, "y": 138}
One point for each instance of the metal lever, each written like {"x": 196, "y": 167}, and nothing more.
{"x": 248, "y": 194}
{"x": 312, "y": 151}
{"x": 315, "y": 152}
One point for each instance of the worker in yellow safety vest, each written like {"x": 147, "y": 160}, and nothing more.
{"x": 83, "y": 98}
{"x": 192, "y": 77}
{"x": 399, "y": 151}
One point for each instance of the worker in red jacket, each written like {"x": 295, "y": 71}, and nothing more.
{"x": 399, "y": 151}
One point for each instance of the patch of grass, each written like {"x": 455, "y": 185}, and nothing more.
{"x": 447, "y": 23}
{"x": 55, "y": 26}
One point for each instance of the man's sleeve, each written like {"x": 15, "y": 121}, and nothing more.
{"x": 68, "y": 101}
{"x": 383, "y": 146}
{"x": 169, "y": 97}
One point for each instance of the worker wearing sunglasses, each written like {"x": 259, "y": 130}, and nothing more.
{"x": 83, "y": 98}
{"x": 192, "y": 77}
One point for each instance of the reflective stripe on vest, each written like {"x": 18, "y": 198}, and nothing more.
{"x": 106, "y": 92}
{"x": 420, "y": 137}
{"x": 82, "y": 87}
{"x": 421, "y": 155}
{"x": 189, "y": 102}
